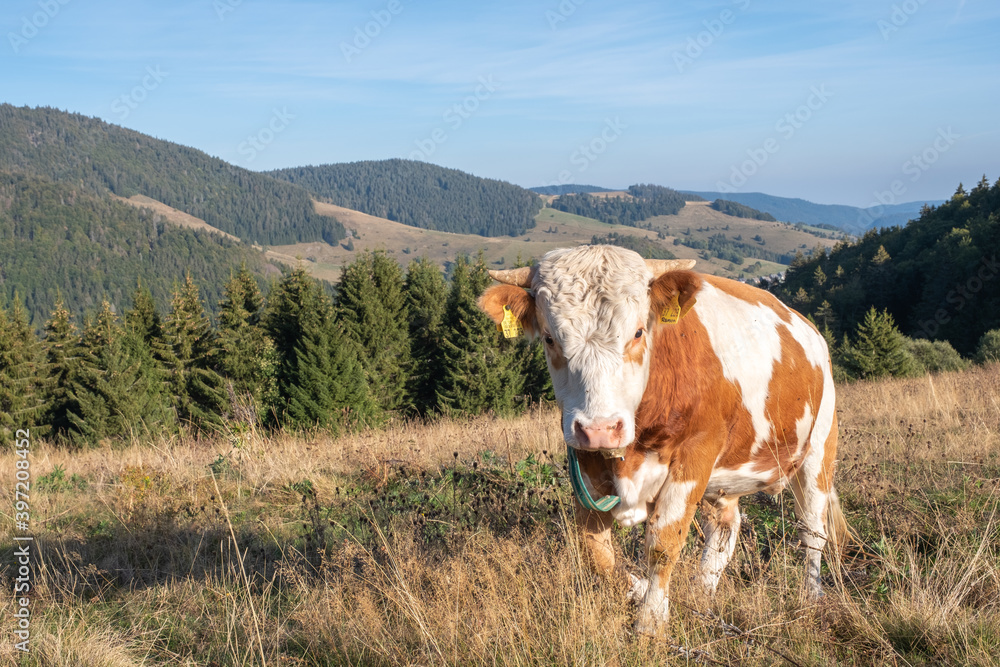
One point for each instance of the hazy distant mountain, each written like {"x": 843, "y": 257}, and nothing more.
{"x": 849, "y": 218}
{"x": 568, "y": 189}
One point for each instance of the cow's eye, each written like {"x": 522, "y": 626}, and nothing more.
{"x": 638, "y": 334}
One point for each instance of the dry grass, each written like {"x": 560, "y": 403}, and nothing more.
{"x": 247, "y": 549}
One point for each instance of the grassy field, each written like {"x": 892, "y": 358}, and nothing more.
{"x": 447, "y": 543}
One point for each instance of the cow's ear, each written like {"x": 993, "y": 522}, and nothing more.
{"x": 671, "y": 295}
{"x": 521, "y": 304}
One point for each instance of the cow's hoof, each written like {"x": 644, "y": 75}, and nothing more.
{"x": 813, "y": 592}
{"x": 638, "y": 589}
{"x": 651, "y": 623}
{"x": 653, "y": 614}
{"x": 709, "y": 584}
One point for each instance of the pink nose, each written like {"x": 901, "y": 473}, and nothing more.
{"x": 601, "y": 434}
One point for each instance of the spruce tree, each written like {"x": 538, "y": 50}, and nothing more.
{"x": 373, "y": 307}
{"x": 61, "y": 347}
{"x": 880, "y": 275}
{"x": 481, "y": 371}
{"x": 879, "y": 349}
{"x": 247, "y": 356}
{"x": 824, "y": 316}
{"x": 330, "y": 389}
{"x": 198, "y": 391}
{"x": 145, "y": 337}
{"x": 320, "y": 380}
{"x": 21, "y": 373}
{"x": 118, "y": 391}
{"x": 537, "y": 380}
{"x": 94, "y": 396}
{"x": 143, "y": 319}
{"x": 426, "y": 298}
{"x": 293, "y": 304}
{"x": 819, "y": 277}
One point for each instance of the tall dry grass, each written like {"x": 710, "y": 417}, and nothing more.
{"x": 250, "y": 549}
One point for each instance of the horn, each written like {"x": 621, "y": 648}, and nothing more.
{"x": 519, "y": 277}
{"x": 661, "y": 266}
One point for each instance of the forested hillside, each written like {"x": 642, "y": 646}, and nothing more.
{"x": 648, "y": 248}
{"x": 740, "y": 211}
{"x": 98, "y": 157}
{"x": 62, "y": 239}
{"x": 642, "y": 202}
{"x": 938, "y": 276}
{"x": 421, "y": 195}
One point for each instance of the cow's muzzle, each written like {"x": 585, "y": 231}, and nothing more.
{"x": 599, "y": 435}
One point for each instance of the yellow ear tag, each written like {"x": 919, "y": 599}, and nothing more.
{"x": 671, "y": 312}
{"x": 510, "y": 326}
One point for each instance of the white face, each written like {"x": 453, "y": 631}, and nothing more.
{"x": 593, "y": 310}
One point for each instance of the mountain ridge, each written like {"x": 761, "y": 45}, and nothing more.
{"x": 101, "y": 157}
{"x": 851, "y": 219}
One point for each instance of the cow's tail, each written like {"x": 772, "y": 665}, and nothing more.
{"x": 839, "y": 534}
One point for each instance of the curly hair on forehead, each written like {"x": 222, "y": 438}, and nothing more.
{"x": 592, "y": 292}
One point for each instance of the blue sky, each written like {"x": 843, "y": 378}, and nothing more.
{"x": 835, "y": 102}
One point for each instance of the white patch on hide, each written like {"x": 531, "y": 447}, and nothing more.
{"x": 671, "y": 506}
{"x": 745, "y": 338}
{"x": 737, "y": 481}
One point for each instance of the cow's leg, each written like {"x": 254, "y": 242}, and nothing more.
{"x": 812, "y": 486}
{"x": 721, "y": 526}
{"x": 594, "y": 529}
{"x": 666, "y": 531}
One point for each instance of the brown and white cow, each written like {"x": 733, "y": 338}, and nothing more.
{"x": 734, "y": 397}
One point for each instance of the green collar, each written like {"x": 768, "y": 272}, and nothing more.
{"x": 580, "y": 489}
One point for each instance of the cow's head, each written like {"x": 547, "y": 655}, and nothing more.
{"x": 595, "y": 308}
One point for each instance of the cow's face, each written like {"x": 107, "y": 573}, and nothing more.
{"x": 593, "y": 307}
